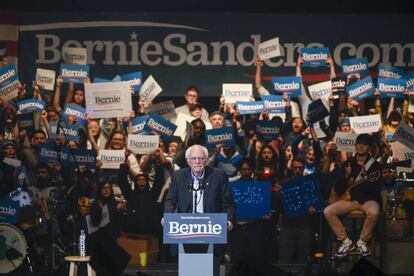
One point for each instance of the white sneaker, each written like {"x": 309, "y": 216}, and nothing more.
{"x": 343, "y": 250}
{"x": 363, "y": 248}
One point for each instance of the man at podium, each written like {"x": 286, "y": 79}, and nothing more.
{"x": 199, "y": 188}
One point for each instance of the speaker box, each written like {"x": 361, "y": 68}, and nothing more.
{"x": 400, "y": 257}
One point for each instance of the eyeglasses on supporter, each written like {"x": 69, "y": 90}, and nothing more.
{"x": 197, "y": 158}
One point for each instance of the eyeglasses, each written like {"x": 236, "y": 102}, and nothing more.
{"x": 198, "y": 159}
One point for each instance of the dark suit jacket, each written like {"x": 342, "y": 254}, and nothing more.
{"x": 216, "y": 195}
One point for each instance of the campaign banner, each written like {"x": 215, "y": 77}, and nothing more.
{"x": 74, "y": 55}
{"x": 299, "y": 194}
{"x": 160, "y": 126}
{"x": 361, "y": 89}
{"x": 143, "y": 144}
{"x": 274, "y": 103}
{"x": 134, "y": 79}
{"x": 314, "y": 57}
{"x": 389, "y": 72}
{"x": 45, "y": 79}
{"x": 338, "y": 86}
{"x": 409, "y": 78}
{"x": 25, "y": 121}
{"x": 75, "y": 110}
{"x": 392, "y": 88}
{"x": 290, "y": 85}
{"x": 365, "y": 124}
{"x": 401, "y": 151}
{"x": 234, "y": 92}
{"x": 269, "y": 49}
{"x": 74, "y": 72}
{"x": 250, "y": 107}
{"x": 320, "y": 90}
{"x": 355, "y": 66}
{"x": 138, "y": 124}
{"x": 149, "y": 90}
{"x": 31, "y": 105}
{"x": 345, "y": 141}
{"x": 220, "y": 136}
{"x": 66, "y": 130}
{"x": 405, "y": 135}
{"x": 10, "y": 91}
{"x": 252, "y": 199}
{"x": 9, "y": 211}
{"x": 165, "y": 109}
{"x": 268, "y": 130}
{"x": 8, "y": 75}
{"x": 198, "y": 228}
{"x": 111, "y": 159}
{"x": 108, "y": 99}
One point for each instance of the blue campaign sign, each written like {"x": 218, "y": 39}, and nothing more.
{"x": 291, "y": 85}
{"x": 48, "y": 153}
{"x": 268, "y": 130}
{"x": 134, "y": 79}
{"x": 8, "y": 74}
{"x": 409, "y": 78}
{"x": 138, "y": 124}
{"x": 274, "y": 103}
{"x": 220, "y": 136}
{"x": 389, "y": 72}
{"x": 31, "y": 105}
{"x": 299, "y": 194}
{"x": 9, "y": 211}
{"x": 354, "y": 66}
{"x": 75, "y": 73}
{"x": 99, "y": 80}
{"x": 250, "y": 107}
{"x": 195, "y": 228}
{"x": 158, "y": 125}
{"x": 83, "y": 157}
{"x": 68, "y": 131}
{"x": 361, "y": 89}
{"x": 391, "y": 88}
{"x": 314, "y": 57}
{"x": 25, "y": 121}
{"x": 75, "y": 110}
{"x": 252, "y": 198}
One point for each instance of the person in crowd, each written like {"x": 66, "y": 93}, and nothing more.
{"x": 358, "y": 185}
{"x": 191, "y": 97}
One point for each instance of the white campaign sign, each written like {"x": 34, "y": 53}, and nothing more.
{"x": 143, "y": 144}
{"x": 74, "y": 55}
{"x": 234, "y": 92}
{"x": 401, "y": 152}
{"x": 104, "y": 220}
{"x": 365, "y": 124}
{"x": 320, "y": 90}
{"x": 45, "y": 78}
{"x": 181, "y": 124}
{"x": 111, "y": 159}
{"x": 269, "y": 49}
{"x": 345, "y": 141}
{"x": 108, "y": 99}
{"x": 405, "y": 135}
{"x": 149, "y": 90}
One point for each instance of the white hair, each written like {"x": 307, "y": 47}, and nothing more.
{"x": 193, "y": 147}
